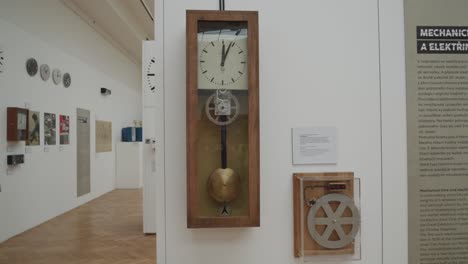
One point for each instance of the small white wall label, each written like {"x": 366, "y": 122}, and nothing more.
{"x": 314, "y": 145}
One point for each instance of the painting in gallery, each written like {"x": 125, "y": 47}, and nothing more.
{"x": 103, "y": 136}
{"x": 64, "y": 130}
{"x": 34, "y": 136}
{"x": 49, "y": 129}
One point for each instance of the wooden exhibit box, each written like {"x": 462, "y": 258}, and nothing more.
{"x": 326, "y": 218}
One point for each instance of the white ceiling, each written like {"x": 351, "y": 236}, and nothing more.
{"x": 124, "y": 23}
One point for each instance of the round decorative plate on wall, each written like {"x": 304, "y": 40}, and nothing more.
{"x": 56, "y": 76}
{"x": 66, "y": 80}
{"x": 44, "y": 70}
{"x": 31, "y": 66}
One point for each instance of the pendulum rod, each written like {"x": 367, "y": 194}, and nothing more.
{"x": 223, "y": 119}
{"x": 223, "y": 135}
{"x": 223, "y": 144}
{"x": 225, "y": 211}
{"x": 221, "y": 5}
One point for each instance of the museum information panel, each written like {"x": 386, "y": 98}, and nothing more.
{"x": 437, "y": 116}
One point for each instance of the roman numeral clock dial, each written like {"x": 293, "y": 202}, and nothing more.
{"x": 151, "y": 75}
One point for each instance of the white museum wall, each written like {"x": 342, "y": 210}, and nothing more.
{"x": 319, "y": 66}
{"x": 45, "y": 186}
{"x": 60, "y": 27}
{"x": 394, "y": 158}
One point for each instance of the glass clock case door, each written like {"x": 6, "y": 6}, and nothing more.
{"x": 222, "y": 94}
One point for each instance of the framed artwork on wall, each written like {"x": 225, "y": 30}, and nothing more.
{"x": 50, "y": 123}
{"x": 64, "y": 130}
{"x": 103, "y": 136}
{"x": 34, "y": 135}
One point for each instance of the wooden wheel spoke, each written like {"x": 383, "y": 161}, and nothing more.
{"x": 322, "y": 221}
{"x": 328, "y": 232}
{"x": 347, "y": 221}
{"x": 339, "y": 230}
{"x": 328, "y": 210}
{"x": 340, "y": 210}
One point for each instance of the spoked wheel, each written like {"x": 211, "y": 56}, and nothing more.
{"x": 222, "y": 112}
{"x": 333, "y": 221}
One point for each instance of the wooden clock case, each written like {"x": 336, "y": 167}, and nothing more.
{"x": 195, "y": 182}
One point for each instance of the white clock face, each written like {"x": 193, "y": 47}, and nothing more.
{"x": 151, "y": 75}
{"x": 222, "y": 62}
{"x": 56, "y": 76}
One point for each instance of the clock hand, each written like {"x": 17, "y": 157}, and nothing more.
{"x": 222, "y": 55}
{"x": 227, "y": 52}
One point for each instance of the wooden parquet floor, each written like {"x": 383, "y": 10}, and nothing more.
{"x": 107, "y": 230}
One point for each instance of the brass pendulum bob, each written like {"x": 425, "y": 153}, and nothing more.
{"x": 224, "y": 183}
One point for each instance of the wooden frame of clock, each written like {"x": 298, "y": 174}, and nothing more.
{"x": 223, "y": 174}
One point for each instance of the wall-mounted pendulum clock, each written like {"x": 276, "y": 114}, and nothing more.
{"x": 223, "y": 174}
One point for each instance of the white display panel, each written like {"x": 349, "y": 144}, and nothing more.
{"x": 327, "y": 77}
{"x": 394, "y": 170}
{"x": 153, "y": 137}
